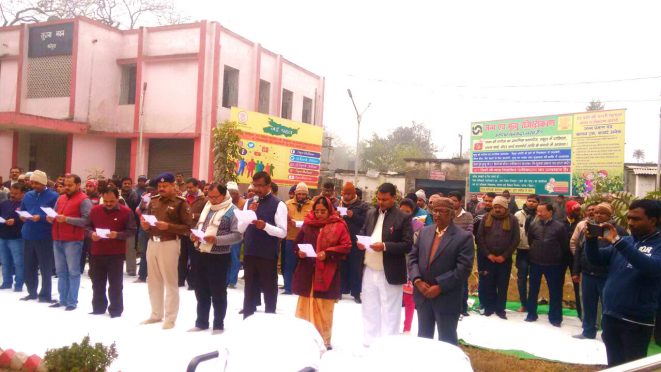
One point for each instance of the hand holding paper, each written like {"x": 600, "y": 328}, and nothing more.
{"x": 245, "y": 217}
{"x": 103, "y": 233}
{"x": 50, "y": 212}
{"x": 342, "y": 211}
{"x": 366, "y": 241}
{"x": 24, "y": 214}
{"x": 198, "y": 234}
{"x": 308, "y": 249}
{"x": 299, "y": 224}
{"x": 2, "y": 220}
{"x": 151, "y": 219}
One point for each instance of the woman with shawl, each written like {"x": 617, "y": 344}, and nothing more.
{"x": 317, "y": 279}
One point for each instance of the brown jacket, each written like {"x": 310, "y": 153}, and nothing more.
{"x": 173, "y": 210}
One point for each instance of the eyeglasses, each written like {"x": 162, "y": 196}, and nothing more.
{"x": 438, "y": 212}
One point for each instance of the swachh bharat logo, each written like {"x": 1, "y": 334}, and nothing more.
{"x": 277, "y": 129}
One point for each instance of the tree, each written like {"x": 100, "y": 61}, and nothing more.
{"x": 387, "y": 154}
{"x": 226, "y": 152}
{"x": 595, "y": 105}
{"x": 127, "y": 13}
{"x": 639, "y": 155}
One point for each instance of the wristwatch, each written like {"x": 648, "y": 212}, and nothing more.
{"x": 617, "y": 239}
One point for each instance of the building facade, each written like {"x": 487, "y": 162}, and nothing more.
{"x": 79, "y": 96}
{"x": 437, "y": 175}
{"x": 640, "y": 179}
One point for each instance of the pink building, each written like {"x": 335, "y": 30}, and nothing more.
{"x": 75, "y": 94}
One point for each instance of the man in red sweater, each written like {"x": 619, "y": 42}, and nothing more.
{"x": 111, "y": 224}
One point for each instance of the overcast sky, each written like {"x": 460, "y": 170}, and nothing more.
{"x": 447, "y": 65}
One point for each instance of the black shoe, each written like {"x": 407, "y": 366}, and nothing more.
{"x": 357, "y": 300}
{"x": 502, "y": 315}
{"x": 55, "y": 305}
{"x": 543, "y": 301}
{"x": 190, "y": 288}
{"x": 5, "y": 286}
{"x": 488, "y": 313}
{"x": 28, "y": 297}
{"x": 97, "y": 313}
{"x": 115, "y": 315}
{"x": 465, "y": 313}
{"x": 286, "y": 292}
{"x": 69, "y": 308}
{"x": 47, "y": 300}
{"x": 556, "y": 324}
{"x": 241, "y": 311}
{"x": 530, "y": 319}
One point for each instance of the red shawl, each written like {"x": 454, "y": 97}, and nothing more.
{"x": 333, "y": 237}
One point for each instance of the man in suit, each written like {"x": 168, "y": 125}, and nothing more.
{"x": 439, "y": 264}
{"x": 385, "y": 265}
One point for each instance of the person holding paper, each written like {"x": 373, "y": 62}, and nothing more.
{"x": 73, "y": 208}
{"x": 174, "y": 218}
{"x": 261, "y": 241}
{"x": 298, "y": 208}
{"x": 11, "y": 244}
{"x": 107, "y": 253}
{"x": 352, "y": 267}
{"x": 196, "y": 199}
{"x": 239, "y": 202}
{"x": 37, "y": 238}
{"x": 317, "y": 280}
{"x": 210, "y": 261}
{"x": 385, "y": 265}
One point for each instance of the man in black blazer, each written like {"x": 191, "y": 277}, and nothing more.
{"x": 385, "y": 265}
{"x": 439, "y": 264}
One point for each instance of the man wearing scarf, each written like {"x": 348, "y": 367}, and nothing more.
{"x": 297, "y": 209}
{"x": 317, "y": 280}
{"x": 352, "y": 268}
{"x": 497, "y": 237}
{"x": 419, "y": 213}
{"x": 211, "y": 257}
{"x": 524, "y": 217}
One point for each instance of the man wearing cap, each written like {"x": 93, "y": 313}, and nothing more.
{"x": 592, "y": 277}
{"x": 36, "y": 233}
{"x": 235, "y": 249}
{"x": 261, "y": 241}
{"x": 421, "y": 199}
{"x": 73, "y": 209}
{"x": 391, "y": 234}
{"x": 141, "y": 186}
{"x": 549, "y": 245}
{"x": 174, "y": 218}
{"x": 497, "y": 237}
{"x": 524, "y": 217}
{"x": 352, "y": 267}
{"x": 297, "y": 209}
{"x": 439, "y": 280}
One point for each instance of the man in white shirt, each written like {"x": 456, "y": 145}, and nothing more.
{"x": 385, "y": 265}
{"x": 261, "y": 242}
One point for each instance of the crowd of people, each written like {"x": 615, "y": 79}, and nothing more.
{"x": 413, "y": 252}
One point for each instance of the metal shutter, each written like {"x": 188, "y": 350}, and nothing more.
{"x": 170, "y": 155}
{"x": 122, "y": 157}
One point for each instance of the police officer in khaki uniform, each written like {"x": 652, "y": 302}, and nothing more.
{"x": 174, "y": 218}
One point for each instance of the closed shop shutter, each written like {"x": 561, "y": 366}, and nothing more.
{"x": 123, "y": 157}
{"x": 170, "y": 155}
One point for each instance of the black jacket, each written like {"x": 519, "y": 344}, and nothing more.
{"x": 549, "y": 243}
{"x": 581, "y": 263}
{"x": 398, "y": 236}
{"x": 356, "y": 222}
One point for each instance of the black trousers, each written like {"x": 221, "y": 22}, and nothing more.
{"x": 39, "y": 258}
{"x": 657, "y": 327}
{"x": 259, "y": 273}
{"x": 210, "y": 272}
{"x": 496, "y": 282}
{"x": 352, "y": 272}
{"x": 445, "y": 324}
{"x": 107, "y": 269}
{"x": 625, "y": 341}
{"x": 185, "y": 253}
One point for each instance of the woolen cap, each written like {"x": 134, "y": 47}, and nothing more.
{"x": 231, "y": 185}
{"x": 502, "y": 201}
{"x": 39, "y": 177}
{"x": 302, "y": 187}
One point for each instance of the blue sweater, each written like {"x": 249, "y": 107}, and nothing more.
{"x": 632, "y": 287}
{"x": 32, "y": 203}
{"x": 8, "y": 211}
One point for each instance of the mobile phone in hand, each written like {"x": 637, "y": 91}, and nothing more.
{"x": 595, "y": 230}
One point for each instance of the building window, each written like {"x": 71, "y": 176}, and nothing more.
{"x": 49, "y": 77}
{"x": 127, "y": 94}
{"x": 287, "y": 101}
{"x": 264, "y": 96}
{"x": 230, "y": 87}
{"x": 307, "y": 111}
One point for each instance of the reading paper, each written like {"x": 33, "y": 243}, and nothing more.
{"x": 151, "y": 219}
{"x": 342, "y": 211}
{"x": 103, "y": 233}
{"x": 366, "y": 241}
{"x": 24, "y": 214}
{"x": 50, "y": 212}
{"x": 2, "y": 220}
{"x": 245, "y": 217}
{"x": 299, "y": 224}
{"x": 198, "y": 234}
{"x": 308, "y": 249}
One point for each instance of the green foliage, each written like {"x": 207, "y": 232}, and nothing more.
{"x": 81, "y": 357}
{"x": 398, "y": 198}
{"x": 654, "y": 195}
{"x": 620, "y": 201}
{"x": 386, "y": 154}
{"x": 226, "y": 151}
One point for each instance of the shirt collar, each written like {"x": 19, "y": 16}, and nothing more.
{"x": 461, "y": 213}
{"x": 440, "y": 232}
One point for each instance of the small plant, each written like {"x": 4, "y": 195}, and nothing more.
{"x": 81, "y": 357}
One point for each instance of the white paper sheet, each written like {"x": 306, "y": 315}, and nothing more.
{"x": 146, "y": 199}
{"x": 151, "y": 219}
{"x": 308, "y": 249}
{"x": 342, "y": 211}
{"x": 245, "y": 217}
{"x": 366, "y": 241}
{"x": 24, "y": 214}
{"x": 103, "y": 233}
{"x": 2, "y": 220}
{"x": 198, "y": 233}
{"x": 50, "y": 212}
{"x": 299, "y": 224}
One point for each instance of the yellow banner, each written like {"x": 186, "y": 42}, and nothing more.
{"x": 289, "y": 151}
